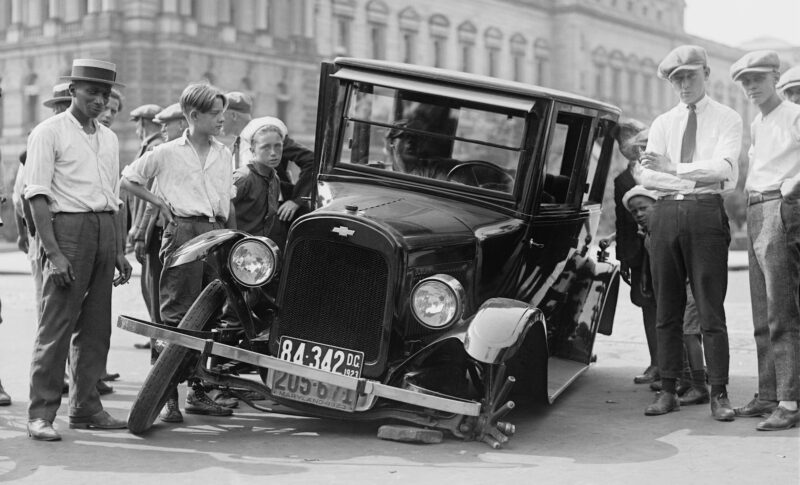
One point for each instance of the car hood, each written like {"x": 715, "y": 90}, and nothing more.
{"x": 418, "y": 219}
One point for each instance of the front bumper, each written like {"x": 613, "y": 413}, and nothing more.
{"x": 361, "y": 386}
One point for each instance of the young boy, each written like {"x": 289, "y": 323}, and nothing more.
{"x": 773, "y": 230}
{"x": 195, "y": 189}
{"x": 257, "y": 183}
{"x": 789, "y": 85}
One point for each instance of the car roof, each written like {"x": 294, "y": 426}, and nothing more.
{"x": 474, "y": 81}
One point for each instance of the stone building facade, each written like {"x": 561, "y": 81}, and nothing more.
{"x": 608, "y": 49}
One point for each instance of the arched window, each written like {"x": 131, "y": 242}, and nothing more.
{"x": 518, "y": 47}
{"x": 377, "y": 17}
{"x": 541, "y": 52}
{"x": 466, "y": 44}
{"x": 409, "y": 30}
{"x": 600, "y": 61}
{"x": 439, "y": 30}
{"x": 343, "y": 14}
{"x": 493, "y": 39}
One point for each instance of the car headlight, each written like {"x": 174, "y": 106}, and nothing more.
{"x": 438, "y": 301}
{"x": 254, "y": 261}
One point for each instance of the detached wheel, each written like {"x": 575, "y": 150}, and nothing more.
{"x": 174, "y": 362}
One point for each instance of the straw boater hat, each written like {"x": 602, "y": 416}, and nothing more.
{"x": 94, "y": 71}
{"x": 60, "y": 95}
{"x": 790, "y": 79}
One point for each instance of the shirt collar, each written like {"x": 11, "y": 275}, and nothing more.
{"x": 184, "y": 139}
{"x": 74, "y": 120}
{"x": 698, "y": 106}
{"x": 261, "y": 170}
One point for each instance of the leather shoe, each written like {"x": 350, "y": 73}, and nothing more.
{"x": 171, "y": 412}
{"x": 223, "y": 398}
{"x": 103, "y": 388}
{"x": 695, "y": 395}
{"x": 110, "y": 377}
{"x": 197, "y": 402}
{"x": 656, "y": 386}
{"x": 649, "y": 375}
{"x": 42, "y": 430}
{"x": 721, "y": 409}
{"x": 756, "y": 408}
{"x": 101, "y": 420}
{"x": 5, "y": 399}
{"x": 683, "y": 387}
{"x": 665, "y": 402}
{"x": 780, "y": 419}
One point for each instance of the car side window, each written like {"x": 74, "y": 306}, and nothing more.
{"x": 565, "y": 158}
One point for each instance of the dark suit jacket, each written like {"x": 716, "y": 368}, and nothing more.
{"x": 629, "y": 243}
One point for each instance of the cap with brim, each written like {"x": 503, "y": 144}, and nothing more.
{"x": 238, "y": 101}
{"x": 789, "y": 79}
{"x": 636, "y": 191}
{"x": 93, "y": 70}
{"x": 170, "y": 113}
{"x": 145, "y": 112}
{"x": 256, "y": 124}
{"x": 682, "y": 58}
{"x": 756, "y": 61}
{"x": 60, "y": 95}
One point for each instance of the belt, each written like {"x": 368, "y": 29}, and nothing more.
{"x": 198, "y": 219}
{"x": 759, "y": 197}
{"x": 690, "y": 197}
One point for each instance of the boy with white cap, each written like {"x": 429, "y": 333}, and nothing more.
{"x": 773, "y": 230}
{"x": 691, "y": 159}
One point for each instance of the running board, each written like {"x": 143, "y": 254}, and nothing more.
{"x": 560, "y": 374}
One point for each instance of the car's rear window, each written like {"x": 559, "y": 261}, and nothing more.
{"x": 409, "y": 134}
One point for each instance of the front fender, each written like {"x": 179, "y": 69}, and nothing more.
{"x": 198, "y": 248}
{"x": 497, "y": 329}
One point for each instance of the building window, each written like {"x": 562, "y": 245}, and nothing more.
{"x": 493, "y": 40}
{"x": 283, "y": 102}
{"x": 409, "y": 46}
{"x": 518, "y": 48}
{"x": 31, "y": 102}
{"x": 466, "y": 44}
{"x": 600, "y": 81}
{"x": 492, "y": 60}
{"x": 377, "y": 35}
{"x": 343, "y": 35}
{"x": 542, "y": 59}
{"x": 438, "y": 51}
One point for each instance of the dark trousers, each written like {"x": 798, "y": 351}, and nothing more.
{"x": 151, "y": 276}
{"x": 689, "y": 239}
{"x": 181, "y": 285}
{"x": 76, "y": 319}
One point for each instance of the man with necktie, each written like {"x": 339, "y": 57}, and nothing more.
{"x": 691, "y": 159}
{"x": 237, "y": 116}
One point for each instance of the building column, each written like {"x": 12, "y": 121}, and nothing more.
{"x": 16, "y": 11}
{"x": 262, "y": 13}
{"x": 93, "y": 6}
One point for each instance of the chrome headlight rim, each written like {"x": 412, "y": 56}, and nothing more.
{"x": 266, "y": 242}
{"x": 455, "y": 288}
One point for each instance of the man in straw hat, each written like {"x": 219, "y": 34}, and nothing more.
{"x": 72, "y": 184}
{"x": 691, "y": 159}
{"x": 60, "y": 100}
{"x": 773, "y": 235}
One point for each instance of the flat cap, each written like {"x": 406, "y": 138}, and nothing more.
{"x": 682, "y": 58}
{"x": 145, "y": 112}
{"x": 756, "y": 61}
{"x": 637, "y": 190}
{"x": 790, "y": 79}
{"x": 171, "y": 112}
{"x": 238, "y": 101}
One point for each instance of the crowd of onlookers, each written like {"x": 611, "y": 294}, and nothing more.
{"x": 78, "y": 218}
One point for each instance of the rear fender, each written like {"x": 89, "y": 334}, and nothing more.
{"x": 497, "y": 329}
{"x": 199, "y": 247}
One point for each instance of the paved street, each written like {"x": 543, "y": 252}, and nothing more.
{"x": 595, "y": 433}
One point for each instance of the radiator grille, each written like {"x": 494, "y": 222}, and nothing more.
{"x": 335, "y": 294}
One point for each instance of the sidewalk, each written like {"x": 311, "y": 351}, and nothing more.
{"x": 12, "y": 261}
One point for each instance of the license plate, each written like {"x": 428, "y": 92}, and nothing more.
{"x": 318, "y": 356}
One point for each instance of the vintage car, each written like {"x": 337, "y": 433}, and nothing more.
{"x": 446, "y": 260}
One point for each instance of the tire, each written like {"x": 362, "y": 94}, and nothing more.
{"x": 174, "y": 362}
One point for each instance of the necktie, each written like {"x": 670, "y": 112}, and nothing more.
{"x": 689, "y": 136}
{"x": 236, "y": 152}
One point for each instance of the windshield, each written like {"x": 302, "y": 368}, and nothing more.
{"x": 409, "y": 134}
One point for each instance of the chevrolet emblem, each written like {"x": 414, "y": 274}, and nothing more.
{"x": 343, "y": 231}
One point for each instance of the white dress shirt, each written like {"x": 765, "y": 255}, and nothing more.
{"x": 716, "y": 154}
{"x": 190, "y": 186}
{"x": 775, "y": 149}
{"x": 76, "y": 171}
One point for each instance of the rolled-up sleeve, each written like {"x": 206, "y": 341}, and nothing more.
{"x": 40, "y": 164}
{"x": 143, "y": 168}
